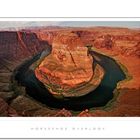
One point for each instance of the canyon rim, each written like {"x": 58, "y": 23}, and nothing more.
{"x": 69, "y": 64}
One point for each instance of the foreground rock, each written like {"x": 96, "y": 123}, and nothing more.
{"x": 68, "y": 67}
{"x": 6, "y": 110}
{"x": 26, "y": 106}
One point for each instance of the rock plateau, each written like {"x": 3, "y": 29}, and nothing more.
{"x": 122, "y": 44}
{"x": 68, "y": 67}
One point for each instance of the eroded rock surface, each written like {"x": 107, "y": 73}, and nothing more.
{"x": 69, "y": 66}
{"x": 16, "y": 47}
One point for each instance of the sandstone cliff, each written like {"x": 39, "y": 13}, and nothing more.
{"x": 19, "y": 44}
{"x": 69, "y": 64}
{"x": 122, "y": 40}
{"x": 15, "y": 47}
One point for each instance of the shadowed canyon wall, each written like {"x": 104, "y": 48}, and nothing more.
{"x": 19, "y": 44}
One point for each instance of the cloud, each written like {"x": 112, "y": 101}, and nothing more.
{"x": 24, "y": 24}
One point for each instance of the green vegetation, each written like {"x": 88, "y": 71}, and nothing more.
{"x": 79, "y": 90}
{"x": 18, "y": 89}
{"x": 117, "y": 90}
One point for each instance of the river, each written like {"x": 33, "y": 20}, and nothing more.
{"x": 97, "y": 98}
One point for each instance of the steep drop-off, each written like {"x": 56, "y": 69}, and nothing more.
{"x": 120, "y": 40}
{"x": 119, "y": 43}
{"x": 15, "y": 48}
{"x": 68, "y": 67}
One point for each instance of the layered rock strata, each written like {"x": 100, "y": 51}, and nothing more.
{"x": 69, "y": 67}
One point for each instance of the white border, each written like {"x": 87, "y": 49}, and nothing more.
{"x": 69, "y": 19}
{"x": 58, "y": 127}
{"x": 69, "y": 8}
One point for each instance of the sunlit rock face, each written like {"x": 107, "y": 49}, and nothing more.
{"x": 69, "y": 65}
{"x": 72, "y": 58}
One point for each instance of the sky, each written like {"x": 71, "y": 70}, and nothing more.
{"x": 25, "y": 24}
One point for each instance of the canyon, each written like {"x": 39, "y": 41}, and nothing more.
{"x": 68, "y": 67}
{"x": 69, "y": 47}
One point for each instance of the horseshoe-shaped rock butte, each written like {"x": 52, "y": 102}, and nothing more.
{"x": 69, "y": 70}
